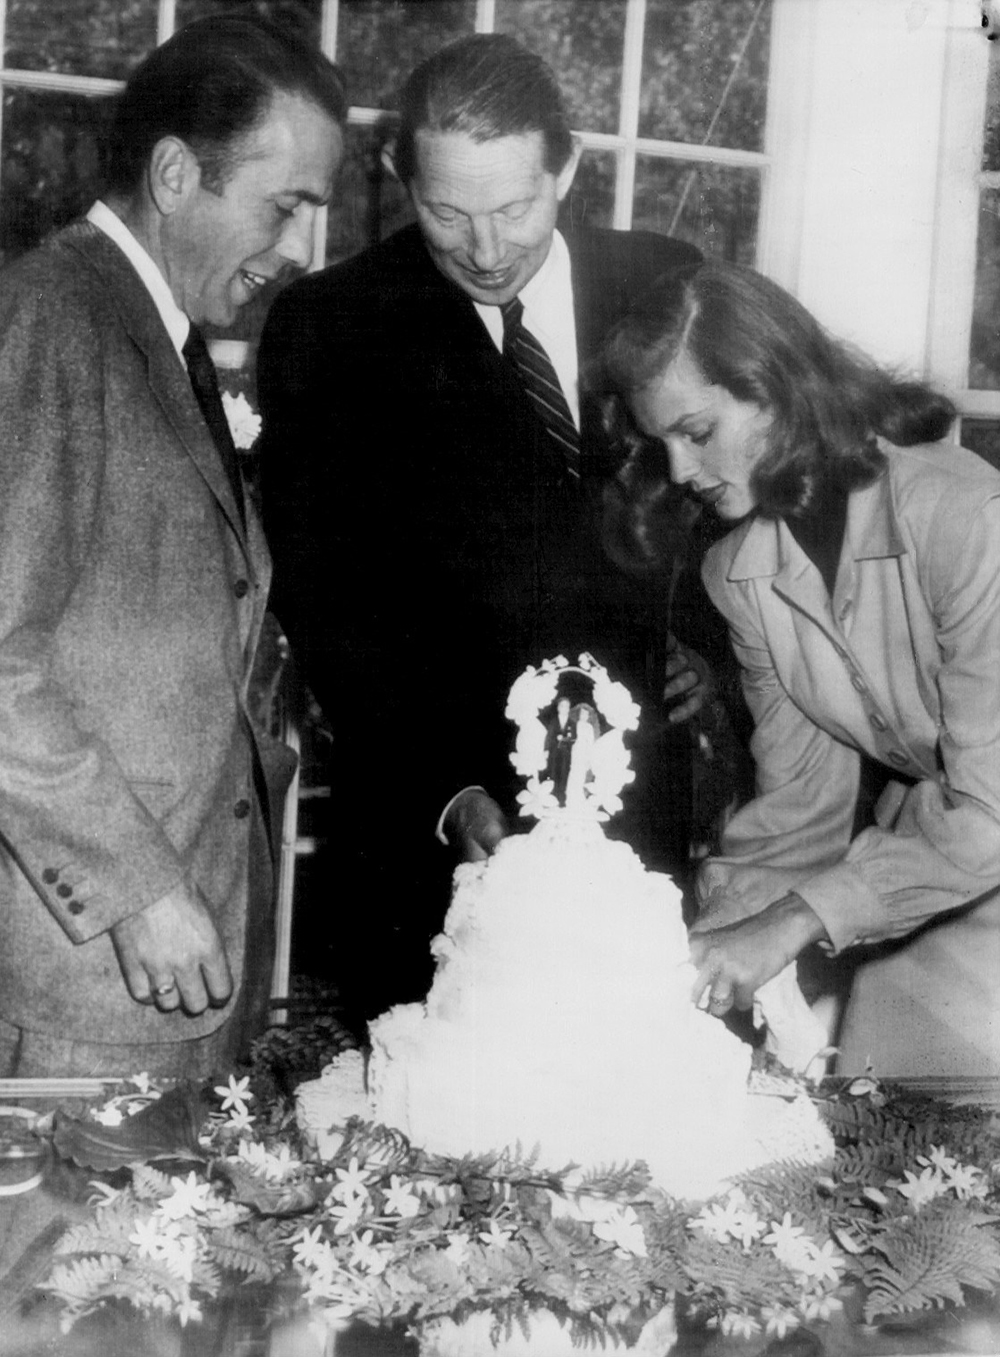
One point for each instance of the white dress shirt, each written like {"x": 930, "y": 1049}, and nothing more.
{"x": 177, "y": 323}
{"x": 547, "y": 299}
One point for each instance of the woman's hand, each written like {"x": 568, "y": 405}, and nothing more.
{"x": 735, "y": 960}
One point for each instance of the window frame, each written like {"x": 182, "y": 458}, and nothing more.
{"x": 625, "y": 145}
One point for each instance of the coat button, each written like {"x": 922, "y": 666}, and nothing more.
{"x": 858, "y": 682}
{"x": 897, "y": 757}
{"x": 879, "y": 722}
{"x": 64, "y": 890}
{"x": 242, "y": 809}
{"x": 50, "y": 875}
{"x": 241, "y": 588}
{"x": 75, "y": 907}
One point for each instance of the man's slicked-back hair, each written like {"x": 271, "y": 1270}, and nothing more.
{"x": 485, "y": 86}
{"x": 211, "y": 84}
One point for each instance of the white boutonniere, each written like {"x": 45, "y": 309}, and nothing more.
{"x": 244, "y": 421}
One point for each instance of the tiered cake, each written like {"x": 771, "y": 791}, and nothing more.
{"x": 561, "y": 1015}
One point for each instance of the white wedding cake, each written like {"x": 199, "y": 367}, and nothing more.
{"x": 561, "y": 1015}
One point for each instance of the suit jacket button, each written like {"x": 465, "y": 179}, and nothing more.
{"x": 64, "y": 890}
{"x": 50, "y": 875}
{"x": 897, "y": 757}
{"x": 75, "y": 907}
{"x": 242, "y": 809}
{"x": 241, "y": 588}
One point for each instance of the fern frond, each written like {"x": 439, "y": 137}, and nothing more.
{"x": 149, "y": 1184}
{"x": 925, "y": 1259}
{"x": 238, "y": 1252}
{"x": 83, "y": 1279}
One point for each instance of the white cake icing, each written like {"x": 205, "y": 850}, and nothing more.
{"x": 561, "y": 1016}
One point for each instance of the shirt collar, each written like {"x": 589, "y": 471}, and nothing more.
{"x": 872, "y": 531}
{"x": 546, "y": 296}
{"x": 177, "y": 323}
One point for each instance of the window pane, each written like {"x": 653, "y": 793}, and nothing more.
{"x": 984, "y": 356}
{"x": 991, "y": 130}
{"x": 712, "y": 206}
{"x": 583, "y": 44}
{"x": 591, "y": 200}
{"x": 704, "y": 75}
{"x": 983, "y": 436}
{"x": 368, "y": 202}
{"x": 79, "y": 37}
{"x": 301, "y": 15}
{"x": 50, "y": 167}
{"x": 380, "y": 41}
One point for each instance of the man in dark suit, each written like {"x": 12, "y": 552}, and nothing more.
{"x": 136, "y": 875}
{"x": 435, "y": 527}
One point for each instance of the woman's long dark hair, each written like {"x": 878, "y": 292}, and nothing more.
{"x": 827, "y": 403}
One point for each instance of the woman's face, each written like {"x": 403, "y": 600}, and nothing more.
{"x": 713, "y": 440}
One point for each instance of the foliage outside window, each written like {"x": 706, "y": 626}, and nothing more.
{"x": 672, "y": 124}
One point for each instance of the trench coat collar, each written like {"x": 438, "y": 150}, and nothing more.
{"x": 168, "y": 379}
{"x": 768, "y": 549}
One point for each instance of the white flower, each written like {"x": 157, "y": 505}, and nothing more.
{"x": 352, "y": 1184}
{"x": 141, "y": 1082}
{"x": 311, "y": 1250}
{"x": 789, "y": 1243}
{"x": 239, "y": 1119}
{"x": 235, "y": 1094}
{"x": 346, "y": 1217}
{"x": 738, "y": 1324}
{"x": 187, "y": 1199}
{"x": 921, "y": 1189}
{"x": 623, "y": 1229}
{"x": 400, "y": 1199}
{"x": 367, "y": 1256}
{"x": 178, "y": 1254}
{"x": 823, "y": 1263}
{"x": 495, "y": 1236}
{"x": 457, "y": 1250}
{"x": 820, "y": 1307}
{"x": 966, "y": 1181}
{"x": 108, "y": 1115}
{"x": 731, "y": 1221}
{"x": 244, "y": 422}
{"x": 149, "y": 1237}
{"x": 778, "y": 1320}
{"x": 188, "y": 1309}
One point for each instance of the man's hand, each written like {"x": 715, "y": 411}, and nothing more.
{"x": 735, "y": 960}
{"x": 475, "y": 824}
{"x": 170, "y": 954}
{"x": 689, "y": 681}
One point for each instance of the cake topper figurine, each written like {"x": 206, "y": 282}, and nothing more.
{"x": 570, "y": 746}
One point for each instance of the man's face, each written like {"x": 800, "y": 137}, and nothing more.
{"x": 487, "y": 209}
{"x": 224, "y": 246}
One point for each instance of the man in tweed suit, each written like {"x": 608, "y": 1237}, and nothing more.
{"x": 135, "y": 795}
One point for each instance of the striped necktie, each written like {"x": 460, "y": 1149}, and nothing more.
{"x": 201, "y": 371}
{"x": 539, "y": 379}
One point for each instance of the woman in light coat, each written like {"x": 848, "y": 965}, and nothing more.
{"x": 861, "y": 585}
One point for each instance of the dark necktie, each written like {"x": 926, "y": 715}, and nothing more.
{"x": 539, "y": 379}
{"x": 201, "y": 370}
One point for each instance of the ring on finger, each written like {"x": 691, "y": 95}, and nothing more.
{"x": 161, "y": 991}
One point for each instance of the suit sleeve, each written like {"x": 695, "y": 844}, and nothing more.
{"x": 90, "y": 849}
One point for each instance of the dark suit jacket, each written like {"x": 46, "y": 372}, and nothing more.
{"x": 427, "y": 542}
{"x": 131, "y": 602}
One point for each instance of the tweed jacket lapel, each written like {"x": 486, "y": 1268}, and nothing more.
{"x": 168, "y": 379}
